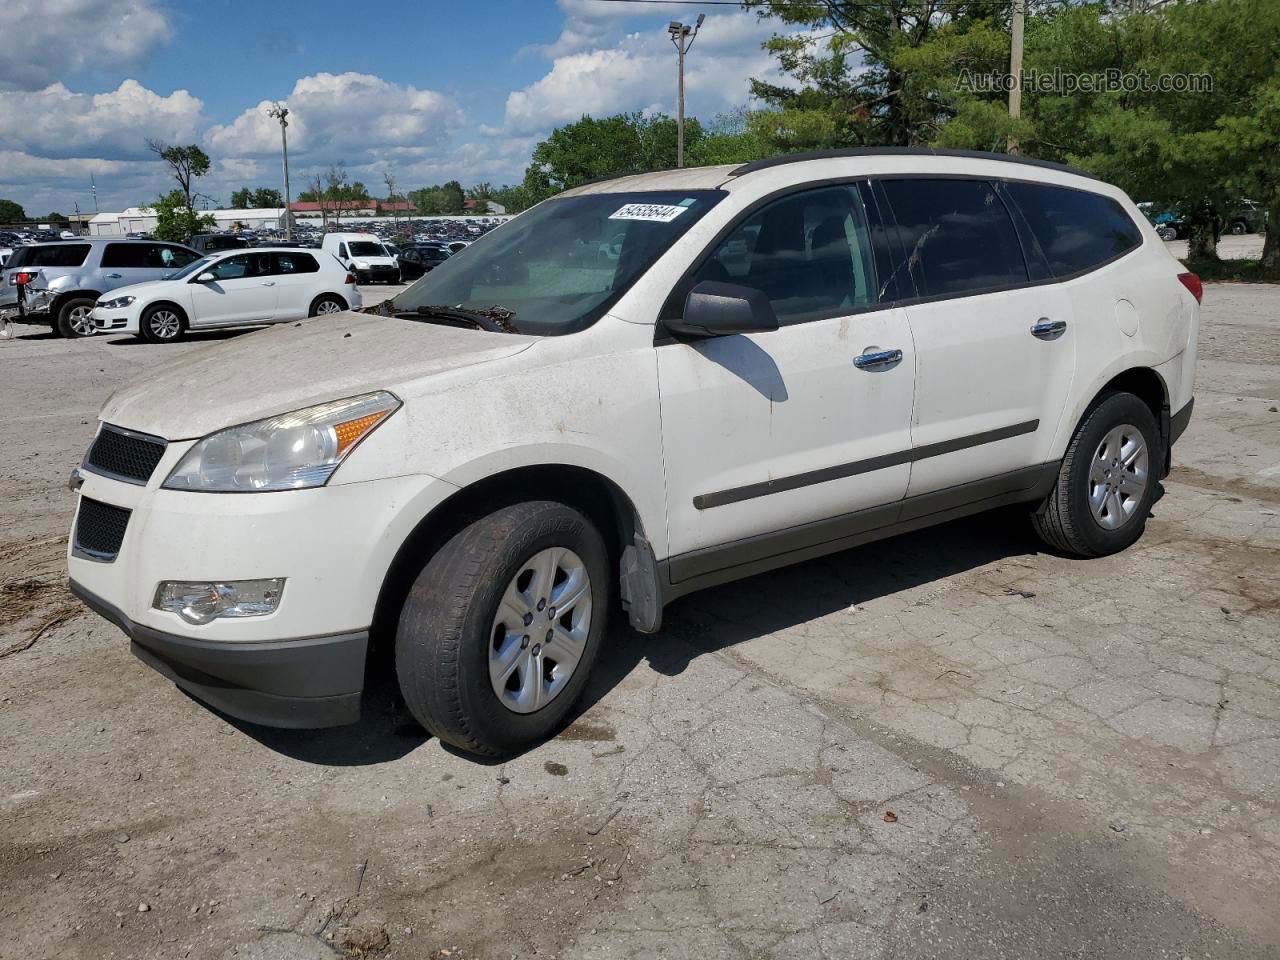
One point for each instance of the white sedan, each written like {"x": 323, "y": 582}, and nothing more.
{"x": 230, "y": 289}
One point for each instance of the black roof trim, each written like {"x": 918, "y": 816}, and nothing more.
{"x": 900, "y": 152}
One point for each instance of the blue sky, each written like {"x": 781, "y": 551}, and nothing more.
{"x": 426, "y": 89}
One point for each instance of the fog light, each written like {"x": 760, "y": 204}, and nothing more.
{"x": 203, "y": 601}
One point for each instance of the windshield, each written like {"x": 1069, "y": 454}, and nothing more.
{"x": 561, "y": 265}
{"x": 192, "y": 268}
{"x": 366, "y": 248}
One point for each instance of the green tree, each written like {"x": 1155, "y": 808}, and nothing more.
{"x": 440, "y": 201}
{"x": 738, "y": 136}
{"x": 176, "y": 221}
{"x": 186, "y": 165}
{"x": 11, "y": 212}
{"x": 242, "y": 199}
{"x": 265, "y": 198}
{"x": 56, "y": 217}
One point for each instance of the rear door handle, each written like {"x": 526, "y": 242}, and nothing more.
{"x": 880, "y": 360}
{"x": 114, "y": 276}
{"x": 268, "y": 283}
{"x": 1047, "y": 329}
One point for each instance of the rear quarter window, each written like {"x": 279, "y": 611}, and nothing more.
{"x": 296, "y": 263}
{"x": 57, "y": 255}
{"x": 1076, "y": 230}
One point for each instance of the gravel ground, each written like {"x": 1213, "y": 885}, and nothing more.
{"x": 952, "y": 745}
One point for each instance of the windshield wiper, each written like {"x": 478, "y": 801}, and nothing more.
{"x": 495, "y": 319}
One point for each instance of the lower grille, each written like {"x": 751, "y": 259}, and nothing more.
{"x": 125, "y": 455}
{"x": 100, "y": 528}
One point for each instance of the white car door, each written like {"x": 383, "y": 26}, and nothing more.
{"x": 995, "y": 353}
{"x": 298, "y": 280}
{"x": 779, "y": 441}
{"x": 242, "y": 291}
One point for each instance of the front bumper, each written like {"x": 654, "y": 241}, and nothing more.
{"x": 305, "y": 683}
{"x": 114, "y": 321}
{"x": 378, "y": 275}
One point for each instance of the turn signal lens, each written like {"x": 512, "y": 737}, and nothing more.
{"x": 200, "y": 602}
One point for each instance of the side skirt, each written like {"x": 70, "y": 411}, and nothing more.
{"x": 743, "y": 558}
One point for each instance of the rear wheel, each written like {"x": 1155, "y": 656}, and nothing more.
{"x": 162, "y": 323}
{"x": 75, "y": 318}
{"x": 324, "y": 306}
{"x": 501, "y": 628}
{"x": 1107, "y": 482}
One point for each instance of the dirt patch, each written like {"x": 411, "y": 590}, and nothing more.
{"x": 363, "y": 941}
{"x": 589, "y": 731}
{"x": 1229, "y": 485}
{"x": 555, "y": 769}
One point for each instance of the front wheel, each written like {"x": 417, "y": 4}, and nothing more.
{"x": 75, "y": 318}
{"x": 501, "y": 628}
{"x": 162, "y": 324}
{"x": 1107, "y": 482}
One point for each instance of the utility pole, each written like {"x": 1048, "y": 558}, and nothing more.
{"x": 682, "y": 36}
{"x": 1015, "y": 68}
{"x": 280, "y": 112}
{"x": 94, "y": 187}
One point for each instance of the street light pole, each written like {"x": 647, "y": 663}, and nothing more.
{"x": 1015, "y": 68}
{"x": 281, "y": 112}
{"x": 682, "y": 36}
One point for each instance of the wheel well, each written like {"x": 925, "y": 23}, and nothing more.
{"x": 171, "y": 305}
{"x": 601, "y": 500}
{"x": 327, "y": 296}
{"x": 1146, "y": 385}
{"x": 61, "y": 299}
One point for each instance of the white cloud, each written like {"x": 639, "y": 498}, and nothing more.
{"x": 44, "y": 40}
{"x": 346, "y": 116}
{"x": 55, "y": 122}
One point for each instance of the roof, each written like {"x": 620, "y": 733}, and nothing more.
{"x": 303, "y": 205}
{"x": 901, "y": 152}
{"x": 686, "y": 178}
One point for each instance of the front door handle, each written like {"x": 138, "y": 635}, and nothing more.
{"x": 879, "y": 360}
{"x": 268, "y": 283}
{"x": 1047, "y": 329}
{"x": 114, "y": 276}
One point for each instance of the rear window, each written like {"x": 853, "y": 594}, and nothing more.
{"x": 54, "y": 255}
{"x": 957, "y": 236}
{"x": 1077, "y": 230}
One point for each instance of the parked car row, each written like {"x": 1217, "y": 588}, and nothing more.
{"x": 1245, "y": 216}
{"x": 159, "y": 291}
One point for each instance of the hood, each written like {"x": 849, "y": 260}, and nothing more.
{"x": 295, "y": 365}
{"x": 138, "y": 290}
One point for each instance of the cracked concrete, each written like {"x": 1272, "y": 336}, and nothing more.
{"x": 953, "y": 744}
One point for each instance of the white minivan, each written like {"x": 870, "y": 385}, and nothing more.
{"x": 785, "y": 359}
{"x": 364, "y": 255}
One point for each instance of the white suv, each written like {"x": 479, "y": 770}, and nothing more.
{"x": 785, "y": 359}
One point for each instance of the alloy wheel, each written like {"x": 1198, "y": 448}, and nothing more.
{"x": 165, "y": 324}
{"x": 1118, "y": 476}
{"x": 81, "y": 321}
{"x": 326, "y": 307}
{"x": 540, "y": 630}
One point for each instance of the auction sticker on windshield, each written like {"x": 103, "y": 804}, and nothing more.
{"x": 658, "y": 212}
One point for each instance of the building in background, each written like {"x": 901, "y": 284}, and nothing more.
{"x": 138, "y": 220}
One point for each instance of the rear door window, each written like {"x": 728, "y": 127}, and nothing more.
{"x": 1076, "y": 230}
{"x": 129, "y": 256}
{"x": 175, "y": 258}
{"x": 956, "y": 235}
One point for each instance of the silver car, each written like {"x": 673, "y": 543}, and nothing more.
{"x": 59, "y": 283}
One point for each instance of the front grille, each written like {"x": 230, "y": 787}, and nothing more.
{"x": 100, "y": 528}
{"x": 127, "y": 456}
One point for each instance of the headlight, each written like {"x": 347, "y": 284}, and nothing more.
{"x": 287, "y": 452}
{"x": 361, "y": 265}
{"x": 119, "y": 303}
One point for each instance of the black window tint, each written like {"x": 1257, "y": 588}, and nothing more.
{"x": 342, "y": 249}
{"x": 237, "y": 268}
{"x": 296, "y": 263}
{"x": 214, "y": 244}
{"x": 810, "y": 253}
{"x": 1076, "y": 229}
{"x": 127, "y": 255}
{"x": 55, "y": 255}
{"x": 956, "y": 234}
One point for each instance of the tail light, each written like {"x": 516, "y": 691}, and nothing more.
{"x": 22, "y": 278}
{"x": 1192, "y": 283}
{"x": 351, "y": 279}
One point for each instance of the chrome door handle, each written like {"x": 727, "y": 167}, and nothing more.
{"x": 268, "y": 283}
{"x": 114, "y": 276}
{"x": 881, "y": 360}
{"x": 1047, "y": 329}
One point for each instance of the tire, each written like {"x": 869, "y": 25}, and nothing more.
{"x": 1167, "y": 233}
{"x": 162, "y": 323}
{"x": 1079, "y": 516}
{"x": 1239, "y": 227}
{"x": 326, "y": 305}
{"x": 455, "y": 627}
{"x": 74, "y": 318}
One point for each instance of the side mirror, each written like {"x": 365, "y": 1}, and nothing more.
{"x": 715, "y": 309}
{"x": 206, "y": 277}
